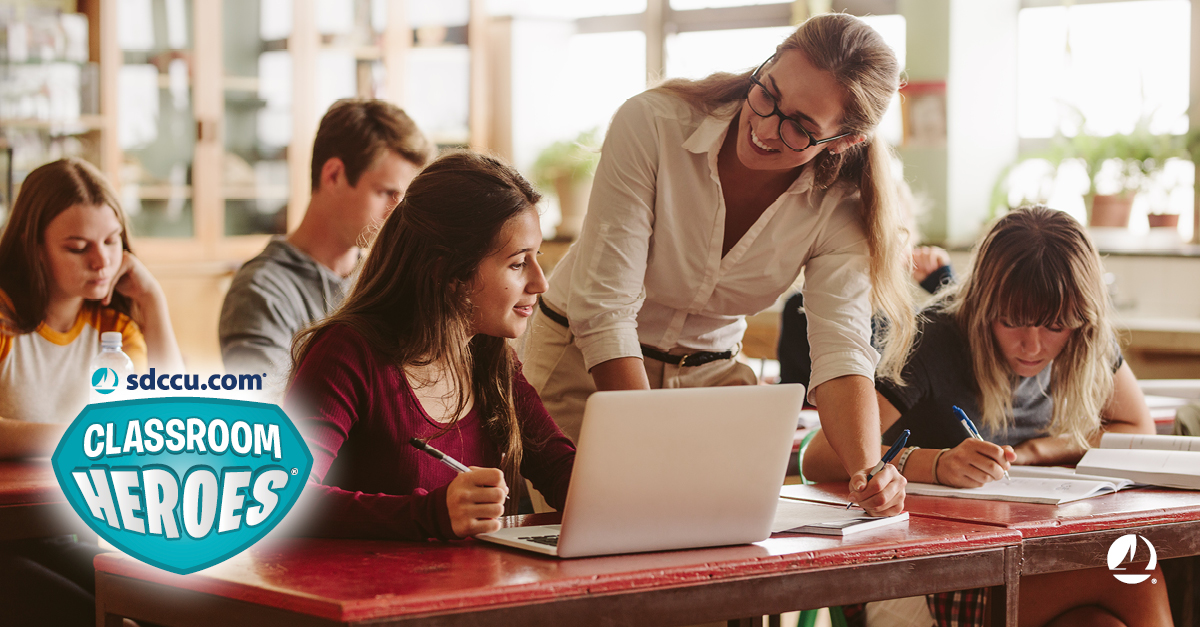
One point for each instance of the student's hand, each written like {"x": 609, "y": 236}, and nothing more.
{"x": 973, "y": 463}
{"x": 134, "y": 280}
{"x": 884, "y": 495}
{"x": 927, "y": 259}
{"x": 476, "y": 500}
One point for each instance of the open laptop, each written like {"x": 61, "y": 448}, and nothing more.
{"x": 672, "y": 469}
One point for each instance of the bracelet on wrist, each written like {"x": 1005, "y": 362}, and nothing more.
{"x": 936, "y": 459}
{"x": 904, "y": 458}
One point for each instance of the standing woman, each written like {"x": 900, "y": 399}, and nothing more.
{"x": 711, "y": 198}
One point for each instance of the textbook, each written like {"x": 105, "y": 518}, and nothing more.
{"x": 1053, "y": 491}
{"x": 792, "y": 516}
{"x": 1171, "y": 461}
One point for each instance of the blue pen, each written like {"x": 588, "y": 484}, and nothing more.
{"x": 888, "y": 456}
{"x": 970, "y": 427}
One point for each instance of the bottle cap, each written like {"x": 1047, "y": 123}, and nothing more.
{"x": 110, "y": 339}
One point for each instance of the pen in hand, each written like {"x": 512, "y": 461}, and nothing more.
{"x": 887, "y": 457}
{"x": 971, "y": 430}
{"x": 454, "y": 464}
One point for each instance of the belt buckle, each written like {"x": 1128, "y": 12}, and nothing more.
{"x": 683, "y": 360}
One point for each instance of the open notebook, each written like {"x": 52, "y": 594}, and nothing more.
{"x": 1171, "y": 461}
{"x": 1054, "y": 485}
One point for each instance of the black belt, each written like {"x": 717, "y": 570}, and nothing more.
{"x": 553, "y": 315}
{"x": 683, "y": 361}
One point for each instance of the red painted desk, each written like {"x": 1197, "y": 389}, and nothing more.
{"x": 340, "y": 582}
{"x": 1076, "y": 535}
{"x": 31, "y": 503}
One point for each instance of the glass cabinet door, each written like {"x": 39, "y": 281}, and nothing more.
{"x": 437, "y": 72}
{"x": 156, "y": 125}
{"x": 257, "y": 86}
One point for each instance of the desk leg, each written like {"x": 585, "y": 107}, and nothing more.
{"x": 103, "y": 618}
{"x": 757, "y": 621}
{"x": 1002, "y": 604}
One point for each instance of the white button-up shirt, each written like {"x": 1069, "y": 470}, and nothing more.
{"x": 647, "y": 268}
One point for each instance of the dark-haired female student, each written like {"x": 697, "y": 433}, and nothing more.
{"x": 1025, "y": 346}
{"x": 419, "y": 349}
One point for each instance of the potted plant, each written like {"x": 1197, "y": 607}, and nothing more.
{"x": 1118, "y": 165}
{"x": 566, "y": 167}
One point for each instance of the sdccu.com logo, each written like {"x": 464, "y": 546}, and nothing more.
{"x": 1126, "y": 547}
{"x": 182, "y": 483}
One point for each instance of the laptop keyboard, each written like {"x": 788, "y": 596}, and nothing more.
{"x": 547, "y": 540}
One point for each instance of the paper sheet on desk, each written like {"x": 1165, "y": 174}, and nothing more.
{"x": 791, "y": 513}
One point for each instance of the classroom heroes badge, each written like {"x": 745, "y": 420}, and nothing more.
{"x": 182, "y": 483}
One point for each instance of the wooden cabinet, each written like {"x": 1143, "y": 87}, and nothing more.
{"x": 209, "y": 108}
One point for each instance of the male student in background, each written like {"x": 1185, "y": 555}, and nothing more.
{"x": 365, "y": 154}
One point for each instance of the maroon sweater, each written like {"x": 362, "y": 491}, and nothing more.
{"x": 357, "y": 413}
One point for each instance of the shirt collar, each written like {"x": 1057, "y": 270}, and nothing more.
{"x": 708, "y": 137}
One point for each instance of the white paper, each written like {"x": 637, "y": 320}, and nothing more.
{"x": 1020, "y": 489}
{"x": 790, "y": 514}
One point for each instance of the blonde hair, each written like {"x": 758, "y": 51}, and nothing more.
{"x": 1038, "y": 267}
{"x": 859, "y": 60}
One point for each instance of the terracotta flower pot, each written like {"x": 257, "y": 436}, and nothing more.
{"x": 572, "y": 201}
{"x": 1109, "y": 210}
{"x": 1163, "y": 220}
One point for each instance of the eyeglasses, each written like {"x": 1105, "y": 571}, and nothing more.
{"x": 762, "y": 103}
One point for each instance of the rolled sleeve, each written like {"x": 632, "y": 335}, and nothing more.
{"x": 607, "y": 280}
{"x": 837, "y": 301}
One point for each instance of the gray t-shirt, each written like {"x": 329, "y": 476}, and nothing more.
{"x": 274, "y": 296}
{"x": 939, "y": 376}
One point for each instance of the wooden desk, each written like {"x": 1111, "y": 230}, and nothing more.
{"x": 340, "y": 582}
{"x": 31, "y": 503}
{"x": 1076, "y": 535}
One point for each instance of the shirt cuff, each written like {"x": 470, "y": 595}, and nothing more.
{"x": 938, "y": 279}
{"x": 840, "y": 364}
{"x": 603, "y": 347}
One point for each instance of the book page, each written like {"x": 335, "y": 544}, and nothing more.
{"x": 1021, "y": 489}
{"x": 1062, "y": 472}
{"x": 1172, "y": 469}
{"x": 1156, "y": 442}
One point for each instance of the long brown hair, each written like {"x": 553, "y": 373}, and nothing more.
{"x": 867, "y": 70}
{"x": 1038, "y": 267}
{"x": 411, "y": 301}
{"x": 48, "y": 191}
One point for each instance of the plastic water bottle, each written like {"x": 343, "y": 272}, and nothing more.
{"x": 109, "y": 369}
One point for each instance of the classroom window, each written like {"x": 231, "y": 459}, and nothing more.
{"x": 1112, "y": 63}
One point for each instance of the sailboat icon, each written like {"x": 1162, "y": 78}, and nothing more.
{"x": 104, "y": 380}
{"x": 1124, "y": 546}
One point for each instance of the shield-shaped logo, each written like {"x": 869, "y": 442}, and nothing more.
{"x": 182, "y": 483}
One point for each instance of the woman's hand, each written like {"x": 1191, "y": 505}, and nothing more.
{"x": 476, "y": 501}
{"x": 927, "y": 259}
{"x": 973, "y": 463}
{"x": 883, "y": 495}
{"x": 136, "y": 282}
